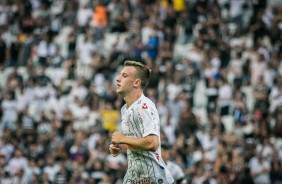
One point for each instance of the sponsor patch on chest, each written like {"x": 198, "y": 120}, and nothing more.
{"x": 144, "y": 106}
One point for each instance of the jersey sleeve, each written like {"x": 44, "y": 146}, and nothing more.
{"x": 148, "y": 119}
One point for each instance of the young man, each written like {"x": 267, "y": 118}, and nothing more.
{"x": 140, "y": 129}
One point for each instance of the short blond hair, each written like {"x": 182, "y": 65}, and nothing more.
{"x": 143, "y": 72}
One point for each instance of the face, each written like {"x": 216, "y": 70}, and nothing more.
{"x": 126, "y": 80}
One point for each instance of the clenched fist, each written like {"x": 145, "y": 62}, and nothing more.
{"x": 117, "y": 138}
{"x": 114, "y": 149}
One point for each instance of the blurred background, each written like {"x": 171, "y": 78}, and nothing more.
{"x": 216, "y": 81}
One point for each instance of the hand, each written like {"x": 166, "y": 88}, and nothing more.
{"x": 117, "y": 137}
{"x": 114, "y": 149}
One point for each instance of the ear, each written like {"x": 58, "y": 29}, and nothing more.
{"x": 137, "y": 83}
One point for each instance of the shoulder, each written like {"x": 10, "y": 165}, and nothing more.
{"x": 123, "y": 108}
{"x": 145, "y": 103}
{"x": 253, "y": 161}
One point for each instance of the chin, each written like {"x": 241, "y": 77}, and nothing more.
{"x": 118, "y": 91}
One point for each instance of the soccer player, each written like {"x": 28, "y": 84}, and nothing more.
{"x": 139, "y": 133}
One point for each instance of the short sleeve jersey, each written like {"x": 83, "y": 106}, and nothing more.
{"x": 140, "y": 120}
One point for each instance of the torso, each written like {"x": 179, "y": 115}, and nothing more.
{"x": 139, "y": 120}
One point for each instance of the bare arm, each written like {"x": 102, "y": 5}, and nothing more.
{"x": 148, "y": 143}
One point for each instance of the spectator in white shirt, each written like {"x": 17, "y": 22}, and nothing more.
{"x": 224, "y": 96}
{"x": 176, "y": 170}
{"x": 51, "y": 169}
{"x": 17, "y": 163}
{"x": 266, "y": 150}
{"x": 84, "y": 15}
{"x": 260, "y": 169}
{"x": 78, "y": 90}
{"x": 10, "y": 111}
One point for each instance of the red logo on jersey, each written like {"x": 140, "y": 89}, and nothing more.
{"x": 144, "y": 106}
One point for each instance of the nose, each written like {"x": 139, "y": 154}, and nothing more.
{"x": 118, "y": 78}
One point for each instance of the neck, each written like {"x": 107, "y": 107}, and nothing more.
{"x": 132, "y": 97}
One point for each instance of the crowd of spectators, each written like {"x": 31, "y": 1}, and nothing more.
{"x": 58, "y": 106}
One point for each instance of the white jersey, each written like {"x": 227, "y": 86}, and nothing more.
{"x": 140, "y": 120}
